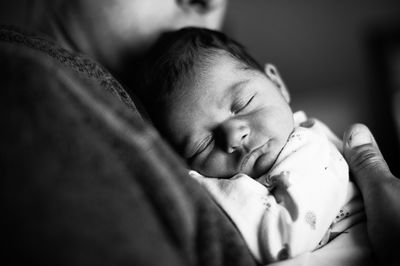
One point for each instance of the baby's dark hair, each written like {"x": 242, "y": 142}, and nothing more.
{"x": 177, "y": 54}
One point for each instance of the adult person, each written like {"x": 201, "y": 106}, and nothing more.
{"x": 85, "y": 181}
{"x": 380, "y": 191}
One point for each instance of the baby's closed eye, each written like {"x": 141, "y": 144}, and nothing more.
{"x": 202, "y": 145}
{"x": 241, "y": 104}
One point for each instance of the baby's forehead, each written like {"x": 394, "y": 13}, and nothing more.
{"x": 218, "y": 81}
{"x": 214, "y": 78}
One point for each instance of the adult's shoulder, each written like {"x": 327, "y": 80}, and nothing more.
{"x": 29, "y": 57}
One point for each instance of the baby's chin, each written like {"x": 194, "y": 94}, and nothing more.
{"x": 265, "y": 161}
{"x": 262, "y": 165}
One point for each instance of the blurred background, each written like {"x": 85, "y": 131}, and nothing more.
{"x": 340, "y": 59}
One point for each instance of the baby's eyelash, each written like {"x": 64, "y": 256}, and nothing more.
{"x": 238, "y": 106}
{"x": 203, "y": 145}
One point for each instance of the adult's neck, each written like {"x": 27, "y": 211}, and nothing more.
{"x": 74, "y": 28}
{"x": 92, "y": 33}
{"x": 69, "y": 30}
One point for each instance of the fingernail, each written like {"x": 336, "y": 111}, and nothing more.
{"x": 359, "y": 137}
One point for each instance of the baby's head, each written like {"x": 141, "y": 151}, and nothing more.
{"x": 214, "y": 103}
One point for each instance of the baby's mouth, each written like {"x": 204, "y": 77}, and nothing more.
{"x": 249, "y": 160}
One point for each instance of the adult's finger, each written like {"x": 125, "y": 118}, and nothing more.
{"x": 363, "y": 156}
{"x": 380, "y": 191}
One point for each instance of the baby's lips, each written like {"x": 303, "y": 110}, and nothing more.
{"x": 252, "y": 156}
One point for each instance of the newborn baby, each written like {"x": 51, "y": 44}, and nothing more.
{"x": 304, "y": 201}
{"x": 279, "y": 176}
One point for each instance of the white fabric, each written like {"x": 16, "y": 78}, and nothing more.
{"x": 300, "y": 204}
{"x": 347, "y": 249}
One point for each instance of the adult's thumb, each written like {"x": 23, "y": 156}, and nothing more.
{"x": 363, "y": 155}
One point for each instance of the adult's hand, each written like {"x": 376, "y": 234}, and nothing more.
{"x": 380, "y": 191}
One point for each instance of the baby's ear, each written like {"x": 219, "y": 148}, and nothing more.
{"x": 273, "y": 74}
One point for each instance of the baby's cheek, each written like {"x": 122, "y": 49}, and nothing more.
{"x": 216, "y": 165}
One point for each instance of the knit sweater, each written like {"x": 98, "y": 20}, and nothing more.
{"x": 85, "y": 181}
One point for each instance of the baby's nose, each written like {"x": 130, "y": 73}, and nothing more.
{"x": 235, "y": 133}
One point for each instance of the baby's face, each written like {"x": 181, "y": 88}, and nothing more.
{"x": 229, "y": 120}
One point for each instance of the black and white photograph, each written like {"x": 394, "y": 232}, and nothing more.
{"x": 200, "y": 132}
